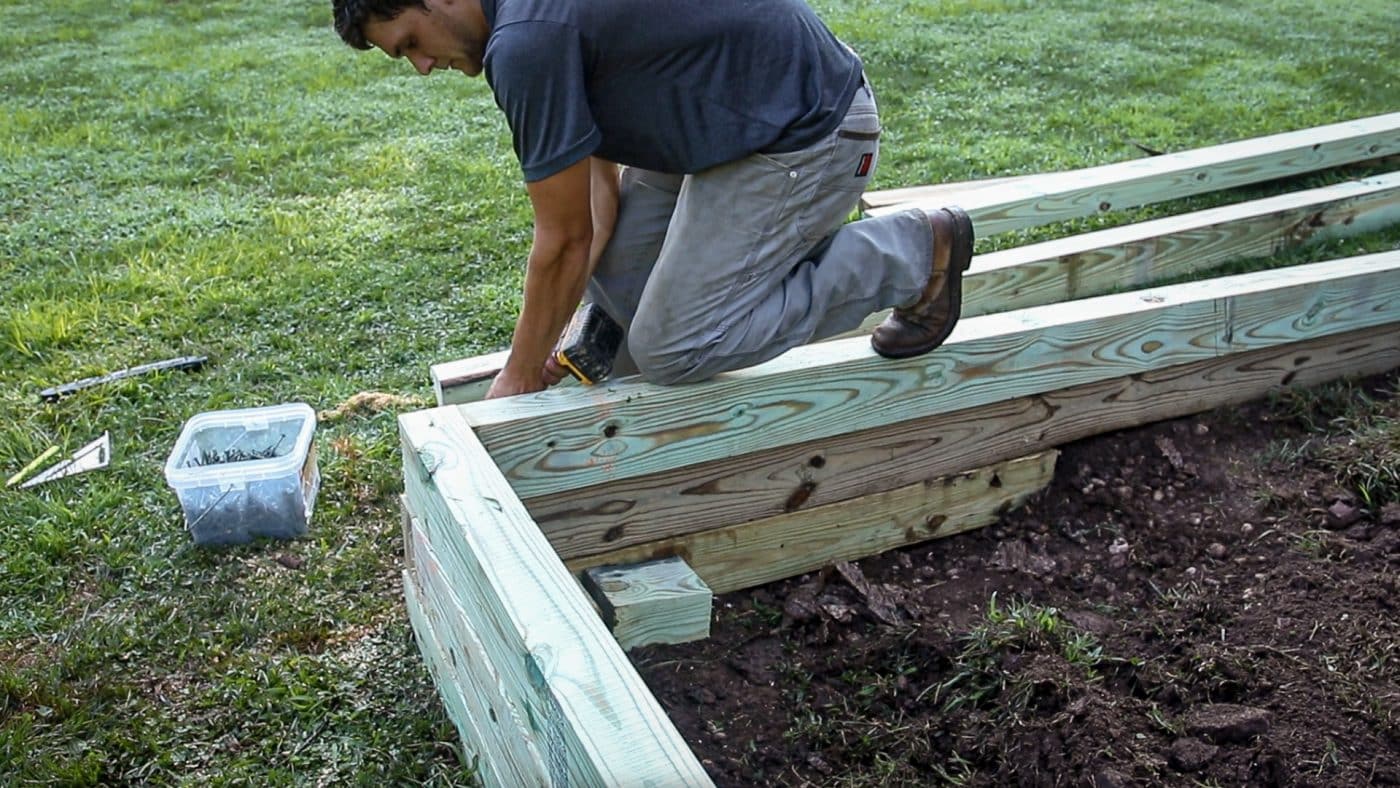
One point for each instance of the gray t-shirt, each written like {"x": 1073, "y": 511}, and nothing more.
{"x": 670, "y": 85}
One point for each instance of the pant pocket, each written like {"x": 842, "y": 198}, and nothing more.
{"x": 857, "y": 146}
{"x": 840, "y": 183}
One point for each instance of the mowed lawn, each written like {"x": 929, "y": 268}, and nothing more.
{"x": 228, "y": 179}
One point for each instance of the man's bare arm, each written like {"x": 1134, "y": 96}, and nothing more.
{"x": 603, "y": 201}
{"x": 555, "y": 274}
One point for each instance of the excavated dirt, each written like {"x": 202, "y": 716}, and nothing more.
{"x": 1204, "y": 601}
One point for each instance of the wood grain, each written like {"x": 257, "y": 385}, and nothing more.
{"x": 951, "y": 193}
{"x": 786, "y": 545}
{"x": 1076, "y": 194}
{"x": 646, "y": 602}
{"x": 1148, "y": 253}
{"x": 796, "y": 478}
{"x": 554, "y": 441}
{"x": 490, "y": 761}
{"x": 492, "y": 724}
{"x": 406, "y": 522}
{"x": 947, "y": 193}
{"x": 595, "y": 721}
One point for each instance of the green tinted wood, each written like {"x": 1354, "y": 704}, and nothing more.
{"x": 1121, "y": 258}
{"x": 499, "y": 717}
{"x": 1032, "y": 202}
{"x": 594, "y": 719}
{"x": 497, "y": 763}
{"x": 651, "y": 602}
{"x": 1140, "y": 255}
{"x": 762, "y": 551}
{"x": 795, "y": 478}
{"x": 560, "y": 440}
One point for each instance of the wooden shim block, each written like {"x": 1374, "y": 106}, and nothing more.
{"x": 653, "y": 602}
{"x": 494, "y": 763}
{"x": 596, "y": 722}
{"x": 1072, "y": 195}
{"x": 1120, "y": 258}
{"x": 769, "y": 483}
{"x": 554, "y": 441}
{"x": 762, "y": 551}
{"x": 499, "y": 715}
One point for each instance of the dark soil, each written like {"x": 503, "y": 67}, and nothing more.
{"x": 1209, "y": 600}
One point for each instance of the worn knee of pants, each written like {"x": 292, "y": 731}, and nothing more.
{"x": 730, "y": 267}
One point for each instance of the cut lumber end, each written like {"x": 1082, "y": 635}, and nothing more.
{"x": 654, "y": 602}
{"x": 466, "y": 380}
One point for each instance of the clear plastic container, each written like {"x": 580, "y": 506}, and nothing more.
{"x": 246, "y": 473}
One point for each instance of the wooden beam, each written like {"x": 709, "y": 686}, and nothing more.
{"x": 594, "y": 720}
{"x": 762, "y": 551}
{"x": 947, "y": 193}
{"x": 484, "y": 760}
{"x": 1130, "y": 184}
{"x": 769, "y": 483}
{"x": 490, "y": 723}
{"x": 1106, "y": 261}
{"x": 952, "y": 193}
{"x": 558, "y": 440}
{"x": 1146, "y": 253}
{"x": 650, "y": 602}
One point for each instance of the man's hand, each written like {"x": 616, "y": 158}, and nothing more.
{"x": 574, "y": 214}
{"x": 553, "y": 371}
{"x": 508, "y": 385}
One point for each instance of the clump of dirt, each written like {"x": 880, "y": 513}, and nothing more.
{"x": 1210, "y": 599}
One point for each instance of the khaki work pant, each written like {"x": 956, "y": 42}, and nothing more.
{"x": 730, "y": 267}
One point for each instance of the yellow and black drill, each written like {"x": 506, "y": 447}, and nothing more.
{"x": 589, "y": 344}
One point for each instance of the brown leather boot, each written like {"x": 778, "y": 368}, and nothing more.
{"x": 919, "y": 327}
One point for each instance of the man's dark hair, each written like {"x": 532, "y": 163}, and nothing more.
{"x": 351, "y": 16}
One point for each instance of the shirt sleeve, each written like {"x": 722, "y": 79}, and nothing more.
{"x": 536, "y": 71}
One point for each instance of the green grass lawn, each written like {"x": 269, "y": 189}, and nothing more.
{"x": 228, "y": 179}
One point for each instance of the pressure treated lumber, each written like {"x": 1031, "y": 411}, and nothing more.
{"x": 554, "y": 441}
{"x": 1143, "y": 254}
{"x": 490, "y": 762}
{"x": 466, "y": 380}
{"x": 951, "y": 193}
{"x": 734, "y": 490}
{"x": 1072, "y": 195}
{"x": 490, "y": 724}
{"x": 1110, "y": 260}
{"x": 773, "y": 548}
{"x": 595, "y": 721}
{"x": 947, "y": 193}
{"x": 646, "y": 602}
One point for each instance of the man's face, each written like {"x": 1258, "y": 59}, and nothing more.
{"x": 446, "y": 34}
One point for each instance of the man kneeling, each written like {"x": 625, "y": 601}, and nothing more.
{"x": 748, "y": 132}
